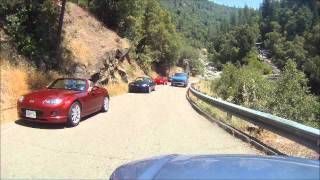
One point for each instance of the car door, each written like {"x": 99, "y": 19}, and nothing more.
{"x": 96, "y": 98}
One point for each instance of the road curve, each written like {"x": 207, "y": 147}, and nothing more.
{"x": 136, "y": 126}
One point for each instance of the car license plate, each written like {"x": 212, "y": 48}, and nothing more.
{"x": 31, "y": 114}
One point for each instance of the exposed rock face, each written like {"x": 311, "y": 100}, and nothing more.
{"x": 96, "y": 50}
{"x": 105, "y": 69}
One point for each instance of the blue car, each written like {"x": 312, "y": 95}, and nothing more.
{"x": 214, "y": 167}
{"x": 142, "y": 84}
{"x": 180, "y": 79}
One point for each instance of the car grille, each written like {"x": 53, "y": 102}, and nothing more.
{"x": 38, "y": 112}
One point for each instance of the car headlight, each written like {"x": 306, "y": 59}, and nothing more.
{"x": 21, "y": 98}
{"x": 144, "y": 85}
{"x": 52, "y": 101}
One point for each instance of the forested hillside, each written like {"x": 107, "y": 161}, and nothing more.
{"x": 291, "y": 30}
{"x": 199, "y": 21}
{"x": 228, "y": 33}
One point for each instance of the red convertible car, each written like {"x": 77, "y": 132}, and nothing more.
{"x": 161, "y": 80}
{"x": 65, "y": 100}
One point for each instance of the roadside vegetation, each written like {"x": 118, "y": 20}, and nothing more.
{"x": 288, "y": 96}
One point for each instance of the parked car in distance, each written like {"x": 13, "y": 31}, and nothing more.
{"x": 180, "y": 79}
{"x": 161, "y": 80}
{"x": 65, "y": 100}
{"x": 214, "y": 167}
{"x": 142, "y": 84}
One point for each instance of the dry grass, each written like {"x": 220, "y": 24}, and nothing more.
{"x": 87, "y": 38}
{"x": 133, "y": 70}
{"x": 13, "y": 84}
{"x": 116, "y": 89}
{"x": 17, "y": 80}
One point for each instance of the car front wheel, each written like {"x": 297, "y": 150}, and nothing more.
{"x": 105, "y": 106}
{"x": 74, "y": 115}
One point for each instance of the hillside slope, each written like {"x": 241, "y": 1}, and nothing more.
{"x": 87, "y": 38}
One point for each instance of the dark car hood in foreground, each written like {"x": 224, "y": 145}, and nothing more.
{"x": 220, "y": 167}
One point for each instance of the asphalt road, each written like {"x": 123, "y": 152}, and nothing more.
{"x": 137, "y": 126}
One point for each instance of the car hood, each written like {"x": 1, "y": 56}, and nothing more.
{"x": 240, "y": 167}
{"x": 179, "y": 78}
{"x": 50, "y": 93}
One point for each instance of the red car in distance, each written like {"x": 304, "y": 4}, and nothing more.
{"x": 161, "y": 80}
{"x": 65, "y": 100}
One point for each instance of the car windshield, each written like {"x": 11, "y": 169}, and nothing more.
{"x": 180, "y": 74}
{"x": 141, "y": 79}
{"x": 69, "y": 84}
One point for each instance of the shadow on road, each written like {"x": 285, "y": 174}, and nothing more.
{"x": 40, "y": 125}
{"x": 37, "y": 125}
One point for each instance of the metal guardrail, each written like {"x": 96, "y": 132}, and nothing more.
{"x": 305, "y": 135}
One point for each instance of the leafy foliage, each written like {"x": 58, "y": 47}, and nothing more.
{"x": 291, "y": 30}
{"x": 245, "y": 86}
{"x": 33, "y": 25}
{"x": 288, "y": 97}
{"x": 293, "y": 99}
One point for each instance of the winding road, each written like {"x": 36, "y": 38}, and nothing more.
{"x": 137, "y": 126}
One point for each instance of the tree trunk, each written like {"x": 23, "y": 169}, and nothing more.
{"x": 63, "y": 7}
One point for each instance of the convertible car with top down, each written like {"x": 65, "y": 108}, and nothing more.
{"x": 65, "y": 100}
{"x": 142, "y": 84}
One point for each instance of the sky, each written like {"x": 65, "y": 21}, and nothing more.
{"x": 240, "y": 3}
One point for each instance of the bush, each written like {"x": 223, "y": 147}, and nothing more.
{"x": 254, "y": 62}
{"x": 292, "y": 98}
{"x": 244, "y": 86}
{"x": 287, "y": 97}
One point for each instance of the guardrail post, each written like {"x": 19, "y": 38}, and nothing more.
{"x": 229, "y": 120}
{"x": 229, "y": 116}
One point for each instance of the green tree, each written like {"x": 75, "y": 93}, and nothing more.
{"x": 245, "y": 86}
{"x": 33, "y": 26}
{"x": 292, "y": 98}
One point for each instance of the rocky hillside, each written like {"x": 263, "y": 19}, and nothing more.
{"x": 97, "y": 51}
